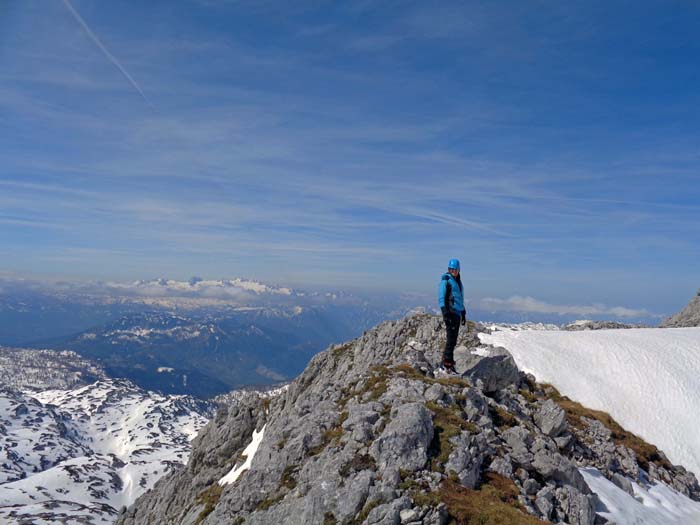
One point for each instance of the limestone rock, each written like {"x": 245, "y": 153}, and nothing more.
{"x": 551, "y": 418}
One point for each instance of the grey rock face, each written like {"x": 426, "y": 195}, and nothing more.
{"x": 530, "y": 487}
{"x": 551, "y": 418}
{"x": 552, "y": 465}
{"x": 689, "y": 316}
{"x": 497, "y": 370}
{"x": 576, "y": 508}
{"x": 405, "y": 440}
{"x": 367, "y": 434}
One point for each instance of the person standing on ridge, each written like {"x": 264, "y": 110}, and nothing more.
{"x": 451, "y": 301}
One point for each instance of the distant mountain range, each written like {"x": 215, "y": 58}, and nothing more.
{"x": 200, "y": 337}
{"x": 208, "y": 355}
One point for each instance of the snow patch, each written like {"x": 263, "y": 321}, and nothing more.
{"x": 249, "y": 453}
{"x": 658, "y": 504}
{"x": 483, "y": 351}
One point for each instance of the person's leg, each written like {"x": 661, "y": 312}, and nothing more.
{"x": 452, "y": 331}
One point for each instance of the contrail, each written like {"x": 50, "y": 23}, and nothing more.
{"x": 104, "y": 50}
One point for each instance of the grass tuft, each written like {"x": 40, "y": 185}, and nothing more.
{"x": 447, "y": 423}
{"x": 502, "y": 418}
{"x": 209, "y": 498}
{"x": 494, "y": 503}
{"x": 269, "y": 502}
{"x": 362, "y": 516}
{"x": 357, "y": 463}
{"x": 288, "y": 479}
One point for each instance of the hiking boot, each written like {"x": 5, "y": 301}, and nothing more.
{"x": 448, "y": 367}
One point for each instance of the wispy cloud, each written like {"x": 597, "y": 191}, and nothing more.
{"x": 518, "y": 303}
{"x": 105, "y": 51}
{"x": 306, "y": 152}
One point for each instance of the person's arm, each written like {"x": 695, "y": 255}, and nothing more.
{"x": 444, "y": 297}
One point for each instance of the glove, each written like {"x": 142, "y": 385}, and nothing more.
{"x": 445, "y": 311}
{"x": 464, "y": 317}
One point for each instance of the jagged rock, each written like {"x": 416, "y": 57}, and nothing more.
{"x": 388, "y": 514}
{"x": 578, "y": 508}
{"x": 437, "y": 516}
{"x": 586, "y": 324}
{"x": 689, "y": 316}
{"x": 502, "y": 466}
{"x": 405, "y": 391}
{"x": 475, "y": 404}
{"x": 409, "y": 515}
{"x": 555, "y": 466}
{"x": 465, "y": 461}
{"x": 543, "y": 502}
{"x": 623, "y": 482}
{"x": 564, "y": 442}
{"x": 405, "y": 440}
{"x": 519, "y": 439}
{"x": 530, "y": 487}
{"x": 495, "y": 371}
{"x": 551, "y": 418}
{"x": 361, "y": 420}
{"x": 435, "y": 393}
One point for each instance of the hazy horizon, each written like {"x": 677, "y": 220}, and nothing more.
{"x": 508, "y": 308}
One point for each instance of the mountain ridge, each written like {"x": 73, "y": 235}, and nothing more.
{"x": 369, "y": 434}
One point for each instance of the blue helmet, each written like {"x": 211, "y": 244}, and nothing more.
{"x": 453, "y": 264}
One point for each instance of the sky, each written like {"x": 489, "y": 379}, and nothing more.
{"x": 551, "y": 146}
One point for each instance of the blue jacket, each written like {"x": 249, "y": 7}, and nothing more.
{"x": 450, "y": 294}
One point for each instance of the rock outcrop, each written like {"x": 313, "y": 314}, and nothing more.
{"x": 689, "y": 316}
{"x": 586, "y": 324}
{"x": 371, "y": 434}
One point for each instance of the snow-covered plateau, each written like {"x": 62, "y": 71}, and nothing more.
{"x": 78, "y": 456}
{"x": 646, "y": 379}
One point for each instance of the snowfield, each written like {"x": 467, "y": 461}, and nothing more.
{"x": 648, "y": 379}
{"x": 79, "y": 455}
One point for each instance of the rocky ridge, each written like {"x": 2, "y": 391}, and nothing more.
{"x": 587, "y": 324}
{"x": 688, "y": 317}
{"x": 369, "y": 435}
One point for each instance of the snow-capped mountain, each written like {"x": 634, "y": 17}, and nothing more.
{"x": 25, "y": 368}
{"x": 196, "y": 286}
{"x": 199, "y": 337}
{"x": 34, "y": 311}
{"x": 79, "y": 455}
{"x": 210, "y": 354}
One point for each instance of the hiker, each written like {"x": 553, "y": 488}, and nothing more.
{"x": 451, "y": 303}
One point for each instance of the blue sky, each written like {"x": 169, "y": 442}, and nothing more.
{"x": 551, "y": 146}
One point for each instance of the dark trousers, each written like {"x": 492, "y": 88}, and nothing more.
{"x": 452, "y": 329}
